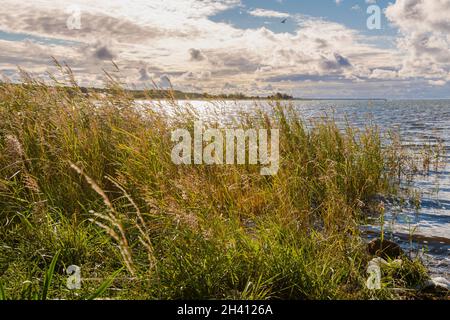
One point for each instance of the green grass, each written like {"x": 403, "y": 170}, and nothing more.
{"x": 88, "y": 180}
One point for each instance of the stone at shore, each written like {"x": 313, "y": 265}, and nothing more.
{"x": 435, "y": 285}
{"x": 385, "y": 249}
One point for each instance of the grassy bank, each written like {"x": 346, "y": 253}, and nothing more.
{"x": 87, "y": 180}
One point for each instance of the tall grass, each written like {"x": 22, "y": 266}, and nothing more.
{"x": 90, "y": 177}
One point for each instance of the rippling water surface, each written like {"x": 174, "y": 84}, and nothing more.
{"x": 424, "y": 230}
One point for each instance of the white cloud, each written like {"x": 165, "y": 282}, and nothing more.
{"x": 383, "y": 74}
{"x": 424, "y": 39}
{"x": 437, "y": 82}
{"x": 177, "y": 40}
{"x": 268, "y": 13}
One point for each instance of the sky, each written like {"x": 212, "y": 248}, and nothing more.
{"x": 305, "y": 48}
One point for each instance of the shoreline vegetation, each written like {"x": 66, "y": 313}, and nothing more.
{"x": 171, "y": 94}
{"x": 87, "y": 180}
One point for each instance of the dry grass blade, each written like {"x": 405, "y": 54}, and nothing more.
{"x": 115, "y": 223}
{"x": 140, "y": 225}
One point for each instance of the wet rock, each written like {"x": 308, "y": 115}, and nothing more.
{"x": 436, "y": 285}
{"x": 385, "y": 249}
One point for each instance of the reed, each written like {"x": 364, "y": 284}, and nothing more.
{"x": 89, "y": 176}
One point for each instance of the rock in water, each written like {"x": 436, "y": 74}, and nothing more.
{"x": 435, "y": 285}
{"x": 385, "y": 249}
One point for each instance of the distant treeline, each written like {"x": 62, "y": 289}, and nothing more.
{"x": 161, "y": 94}
{"x": 180, "y": 95}
{"x": 177, "y": 94}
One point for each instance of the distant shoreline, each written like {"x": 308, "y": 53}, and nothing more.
{"x": 268, "y": 99}
{"x": 161, "y": 94}
{"x": 167, "y": 94}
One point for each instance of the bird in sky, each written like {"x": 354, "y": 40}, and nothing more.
{"x": 284, "y": 20}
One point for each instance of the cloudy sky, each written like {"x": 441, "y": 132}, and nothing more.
{"x": 307, "y": 48}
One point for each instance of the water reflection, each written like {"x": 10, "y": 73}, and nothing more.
{"x": 419, "y": 123}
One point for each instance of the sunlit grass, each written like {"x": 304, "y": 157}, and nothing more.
{"x": 89, "y": 179}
